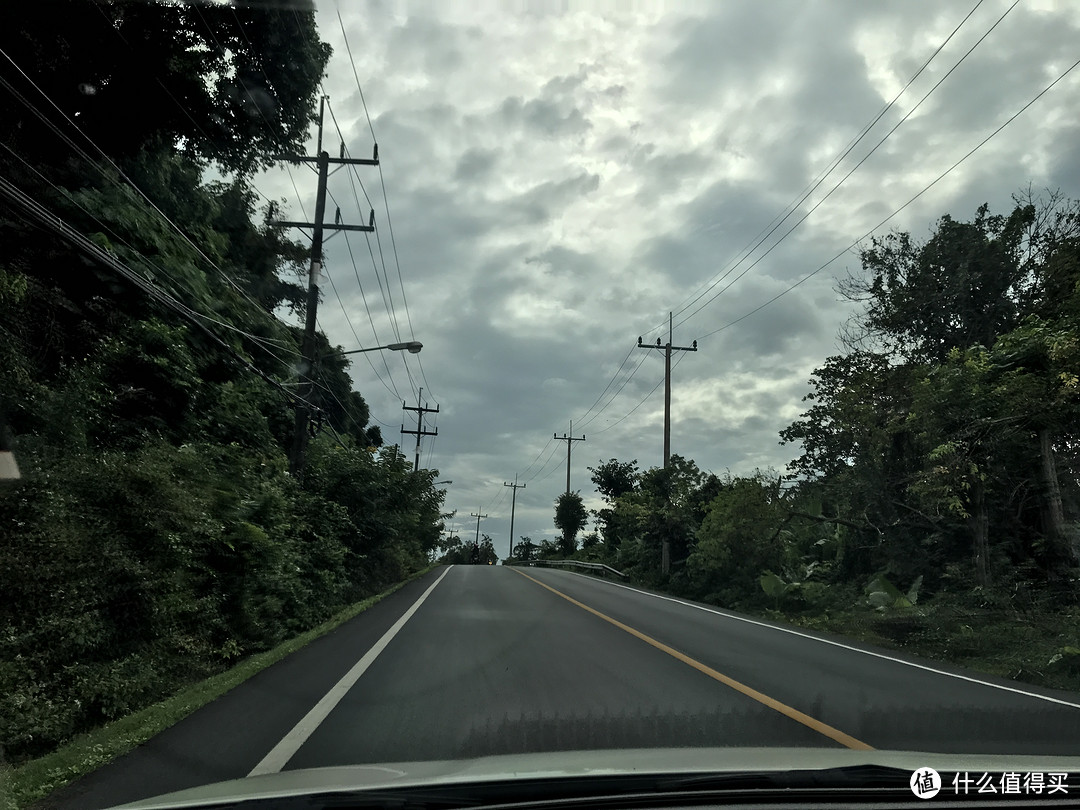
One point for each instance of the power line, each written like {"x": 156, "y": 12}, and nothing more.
{"x": 850, "y": 172}
{"x": 374, "y": 332}
{"x": 618, "y": 390}
{"x": 926, "y": 188}
{"x": 321, "y": 329}
{"x": 791, "y": 207}
{"x": 352, "y": 183}
{"x": 101, "y": 255}
{"x": 542, "y": 449}
{"x": 259, "y": 340}
{"x": 393, "y": 245}
{"x": 642, "y": 402}
{"x": 51, "y": 222}
{"x": 588, "y": 420}
{"x": 319, "y": 384}
{"x": 583, "y": 420}
{"x": 537, "y": 475}
{"x": 496, "y": 501}
{"x": 389, "y": 219}
{"x": 392, "y": 388}
{"x": 82, "y": 153}
{"x": 548, "y": 473}
{"x": 387, "y": 295}
{"x": 355, "y": 74}
{"x": 547, "y": 461}
{"x": 296, "y": 190}
{"x": 652, "y": 391}
{"x": 352, "y": 329}
{"x": 431, "y": 444}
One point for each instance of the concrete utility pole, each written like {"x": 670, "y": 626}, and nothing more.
{"x": 323, "y": 161}
{"x": 513, "y": 503}
{"x": 667, "y": 349}
{"x": 420, "y": 411}
{"x": 473, "y": 514}
{"x": 568, "y": 439}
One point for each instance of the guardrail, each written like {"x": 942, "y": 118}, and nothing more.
{"x": 573, "y": 564}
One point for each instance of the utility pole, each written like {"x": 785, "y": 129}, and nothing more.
{"x": 420, "y": 411}
{"x": 513, "y": 503}
{"x": 307, "y": 363}
{"x": 475, "y": 515}
{"x": 568, "y": 438}
{"x": 667, "y": 349}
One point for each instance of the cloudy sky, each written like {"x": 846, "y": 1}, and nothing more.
{"x": 558, "y": 181}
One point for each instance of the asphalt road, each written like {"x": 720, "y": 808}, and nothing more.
{"x": 476, "y": 660}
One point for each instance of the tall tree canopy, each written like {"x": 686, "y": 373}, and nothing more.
{"x": 231, "y": 83}
{"x": 943, "y": 433}
{"x": 570, "y": 518}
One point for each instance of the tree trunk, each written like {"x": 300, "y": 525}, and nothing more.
{"x": 980, "y": 531}
{"x": 1053, "y": 513}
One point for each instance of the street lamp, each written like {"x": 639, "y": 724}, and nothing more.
{"x": 412, "y": 347}
{"x": 300, "y": 428}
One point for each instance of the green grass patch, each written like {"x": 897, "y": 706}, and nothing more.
{"x": 1042, "y": 649}
{"x": 1036, "y": 645}
{"x": 22, "y": 786}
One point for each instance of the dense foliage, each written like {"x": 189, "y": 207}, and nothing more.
{"x": 570, "y": 518}
{"x": 479, "y": 551}
{"x": 156, "y": 535}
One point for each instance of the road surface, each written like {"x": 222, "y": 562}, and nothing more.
{"x": 476, "y": 660}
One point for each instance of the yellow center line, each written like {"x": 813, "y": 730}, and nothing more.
{"x": 760, "y": 697}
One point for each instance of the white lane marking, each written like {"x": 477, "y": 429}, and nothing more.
{"x": 291, "y": 742}
{"x": 1002, "y": 687}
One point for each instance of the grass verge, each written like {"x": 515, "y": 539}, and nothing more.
{"x": 22, "y": 786}
{"x": 1039, "y": 647}
{"x": 1042, "y": 649}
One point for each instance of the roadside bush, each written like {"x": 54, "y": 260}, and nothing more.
{"x": 129, "y": 574}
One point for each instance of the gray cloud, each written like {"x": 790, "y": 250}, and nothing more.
{"x": 544, "y": 117}
{"x": 540, "y": 202}
{"x": 475, "y": 164}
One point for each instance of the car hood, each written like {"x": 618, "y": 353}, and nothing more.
{"x": 568, "y": 765}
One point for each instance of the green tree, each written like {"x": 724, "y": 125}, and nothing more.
{"x": 671, "y": 509}
{"x": 738, "y": 540}
{"x": 939, "y": 450}
{"x": 485, "y": 551}
{"x": 951, "y": 292}
{"x": 570, "y": 518}
{"x": 613, "y": 480}
{"x": 233, "y": 83}
{"x": 860, "y": 452}
{"x": 525, "y": 550}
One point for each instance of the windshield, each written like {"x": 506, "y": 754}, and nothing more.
{"x": 397, "y": 383}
